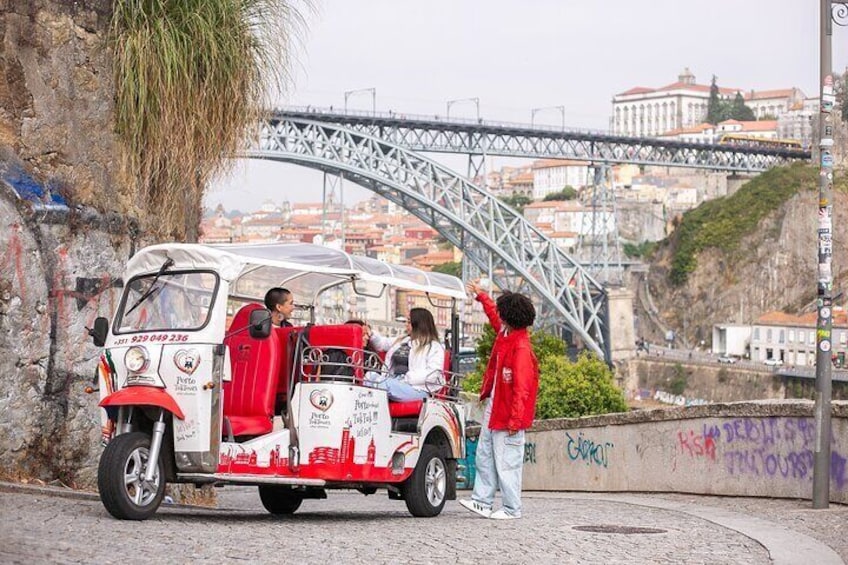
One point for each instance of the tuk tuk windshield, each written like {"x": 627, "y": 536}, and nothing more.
{"x": 174, "y": 301}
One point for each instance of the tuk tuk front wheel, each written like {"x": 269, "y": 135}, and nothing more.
{"x": 424, "y": 491}
{"x": 120, "y": 478}
{"x": 279, "y": 500}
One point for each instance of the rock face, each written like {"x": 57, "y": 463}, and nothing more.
{"x": 777, "y": 271}
{"x": 57, "y": 273}
{"x": 56, "y": 96}
{"x": 59, "y": 267}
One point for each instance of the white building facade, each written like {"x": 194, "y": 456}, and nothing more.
{"x": 553, "y": 175}
{"x": 682, "y": 105}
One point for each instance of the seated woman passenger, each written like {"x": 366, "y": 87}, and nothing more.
{"x": 414, "y": 360}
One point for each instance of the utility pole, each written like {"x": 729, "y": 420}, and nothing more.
{"x": 824, "y": 324}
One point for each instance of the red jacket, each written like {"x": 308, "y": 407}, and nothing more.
{"x": 514, "y": 365}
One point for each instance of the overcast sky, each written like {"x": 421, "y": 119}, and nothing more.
{"x": 515, "y": 56}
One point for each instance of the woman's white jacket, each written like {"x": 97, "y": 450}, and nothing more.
{"x": 425, "y": 363}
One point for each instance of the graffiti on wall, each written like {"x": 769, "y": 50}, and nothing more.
{"x": 587, "y": 450}
{"x": 530, "y": 452}
{"x": 699, "y": 444}
{"x": 763, "y": 447}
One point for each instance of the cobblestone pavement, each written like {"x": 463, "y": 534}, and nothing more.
{"x": 351, "y": 528}
{"x": 826, "y": 525}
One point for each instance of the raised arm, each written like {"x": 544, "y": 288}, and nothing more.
{"x": 489, "y": 306}
{"x": 380, "y": 342}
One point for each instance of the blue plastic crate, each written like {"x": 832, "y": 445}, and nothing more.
{"x": 469, "y": 462}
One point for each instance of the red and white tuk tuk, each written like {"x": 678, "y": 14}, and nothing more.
{"x": 197, "y": 387}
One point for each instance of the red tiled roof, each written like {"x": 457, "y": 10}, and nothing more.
{"x": 636, "y": 90}
{"x": 696, "y": 87}
{"x": 766, "y": 94}
{"x": 762, "y": 125}
{"x": 548, "y": 163}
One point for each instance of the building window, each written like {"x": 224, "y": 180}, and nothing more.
{"x": 780, "y": 340}
{"x": 757, "y": 333}
{"x": 768, "y": 334}
{"x": 791, "y": 336}
{"x": 812, "y": 340}
{"x": 801, "y": 336}
{"x": 842, "y": 336}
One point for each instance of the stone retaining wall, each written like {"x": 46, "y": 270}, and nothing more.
{"x": 747, "y": 449}
{"x": 59, "y": 269}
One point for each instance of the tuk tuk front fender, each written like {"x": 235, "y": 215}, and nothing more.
{"x": 143, "y": 396}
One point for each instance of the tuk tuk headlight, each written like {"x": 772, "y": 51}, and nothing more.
{"x": 136, "y": 359}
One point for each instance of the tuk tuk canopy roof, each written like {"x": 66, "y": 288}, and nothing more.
{"x": 253, "y": 269}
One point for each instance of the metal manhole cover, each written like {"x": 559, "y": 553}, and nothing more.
{"x": 612, "y": 529}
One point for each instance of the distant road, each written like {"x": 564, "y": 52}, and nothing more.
{"x": 704, "y": 358}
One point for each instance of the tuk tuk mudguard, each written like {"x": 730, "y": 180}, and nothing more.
{"x": 143, "y": 396}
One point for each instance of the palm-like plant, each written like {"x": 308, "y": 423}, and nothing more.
{"x": 191, "y": 78}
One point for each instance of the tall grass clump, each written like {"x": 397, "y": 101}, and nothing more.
{"x": 191, "y": 79}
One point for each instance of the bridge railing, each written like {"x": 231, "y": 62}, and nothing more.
{"x": 391, "y": 115}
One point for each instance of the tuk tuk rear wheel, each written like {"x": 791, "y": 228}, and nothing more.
{"x": 425, "y": 490}
{"x": 120, "y": 478}
{"x": 279, "y": 500}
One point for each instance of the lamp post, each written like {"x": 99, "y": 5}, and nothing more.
{"x": 452, "y": 102}
{"x": 534, "y": 111}
{"x": 831, "y": 12}
{"x": 372, "y": 90}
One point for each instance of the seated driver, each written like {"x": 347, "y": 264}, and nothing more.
{"x": 280, "y": 302}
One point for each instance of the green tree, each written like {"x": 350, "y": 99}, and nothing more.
{"x": 517, "y": 201}
{"x": 678, "y": 383}
{"x": 191, "y": 78}
{"x": 452, "y": 268}
{"x": 644, "y": 249}
{"x": 715, "y": 106}
{"x": 573, "y": 389}
{"x": 739, "y": 111}
{"x": 842, "y": 96}
{"x": 567, "y": 193}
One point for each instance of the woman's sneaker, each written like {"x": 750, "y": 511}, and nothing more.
{"x": 476, "y": 507}
{"x": 503, "y": 515}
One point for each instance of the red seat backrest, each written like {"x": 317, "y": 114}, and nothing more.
{"x": 288, "y": 340}
{"x": 347, "y": 337}
{"x": 255, "y": 364}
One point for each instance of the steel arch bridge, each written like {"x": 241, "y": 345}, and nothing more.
{"x": 478, "y": 137}
{"x": 489, "y": 232}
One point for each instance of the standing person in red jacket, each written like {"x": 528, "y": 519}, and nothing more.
{"x": 510, "y": 384}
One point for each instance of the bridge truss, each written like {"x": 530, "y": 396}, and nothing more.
{"x": 473, "y": 137}
{"x": 491, "y": 234}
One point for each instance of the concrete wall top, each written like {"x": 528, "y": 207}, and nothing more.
{"x": 747, "y": 409}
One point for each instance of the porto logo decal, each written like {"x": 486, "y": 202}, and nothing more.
{"x": 187, "y": 360}
{"x": 321, "y": 399}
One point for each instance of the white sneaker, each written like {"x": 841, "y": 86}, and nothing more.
{"x": 502, "y": 515}
{"x": 476, "y": 507}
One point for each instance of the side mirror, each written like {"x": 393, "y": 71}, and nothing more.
{"x": 260, "y": 324}
{"x": 99, "y": 331}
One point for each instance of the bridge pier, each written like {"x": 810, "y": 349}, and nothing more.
{"x": 622, "y": 335}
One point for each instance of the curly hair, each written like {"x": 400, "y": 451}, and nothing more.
{"x": 516, "y": 310}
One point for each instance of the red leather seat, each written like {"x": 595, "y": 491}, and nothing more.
{"x": 405, "y": 409}
{"x": 345, "y": 337}
{"x": 255, "y": 363}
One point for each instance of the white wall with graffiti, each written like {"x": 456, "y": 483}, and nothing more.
{"x": 751, "y": 449}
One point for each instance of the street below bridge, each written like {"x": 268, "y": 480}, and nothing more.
{"x": 46, "y": 525}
